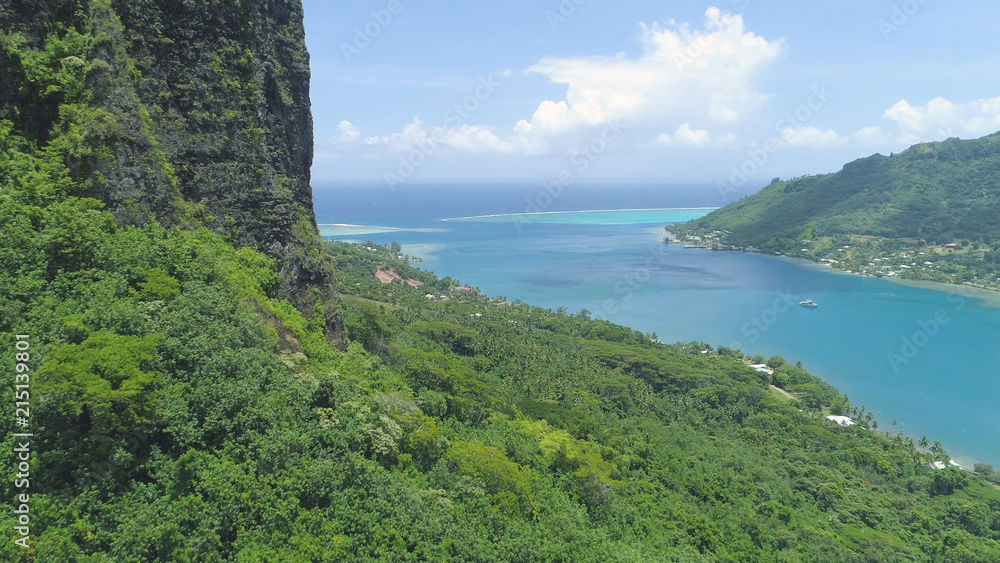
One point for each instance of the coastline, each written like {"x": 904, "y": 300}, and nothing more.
{"x": 988, "y": 296}
{"x": 661, "y": 233}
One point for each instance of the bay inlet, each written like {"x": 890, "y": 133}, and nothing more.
{"x": 916, "y": 355}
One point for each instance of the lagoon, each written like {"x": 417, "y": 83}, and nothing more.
{"x": 593, "y": 217}
{"x": 923, "y": 357}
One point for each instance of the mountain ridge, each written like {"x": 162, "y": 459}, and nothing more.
{"x": 922, "y": 167}
{"x": 195, "y": 113}
{"x": 938, "y": 200}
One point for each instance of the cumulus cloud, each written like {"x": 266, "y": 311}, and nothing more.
{"x": 683, "y": 73}
{"x": 812, "y": 137}
{"x": 941, "y": 118}
{"x": 685, "y": 136}
{"x": 331, "y": 148}
{"x": 870, "y": 137}
{"x": 348, "y": 133}
{"x": 464, "y": 138}
{"x": 937, "y": 120}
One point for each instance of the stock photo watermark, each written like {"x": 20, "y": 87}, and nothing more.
{"x": 693, "y": 51}
{"x": 911, "y": 345}
{"x": 563, "y": 12}
{"x": 454, "y": 117}
{"x": 900, "y": 16}
{"x": 632, "y": 281}
{"x": 365, "y": 34}
{"x": 759, "y": 324}
{"x": 581, "y": 159}
{"x": 22, "y": 451}
{"x": 758, "y": 155}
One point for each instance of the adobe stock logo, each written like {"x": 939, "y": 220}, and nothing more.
{"x": 453, "y": 118}
{"x": 563, "y": 12}
{"x": 363, "y": 35}
{"x": 759, "y": 154}
{"x": 759, "y": 324}
{"x": 901, "y": 14}
{"x": 583, "y": 157}
{"x": 911, "y": 345}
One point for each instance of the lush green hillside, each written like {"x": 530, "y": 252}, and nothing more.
{"x": 934, "y": 192}
{"x": 194, "y": 113}
{"x": 188, "y": 399}
{"x": 926, "y": 213}
{"x": 182, "y": 413}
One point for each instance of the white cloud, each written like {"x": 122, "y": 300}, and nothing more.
{"x": 348, "y": 133}
{"x": 812, "y": 137}
{"x": 465, "y": 138}
{"x": 937, "y": 120}
{"x": 480, "y": 139}
{"x": 941, "y": 118}
{"x": 682, "y": 74}
{"x": 908, "y": 125}
{"x": 685, "y": 136}
{"x": 870, "y": 137}
{"x": 331, "y": 148}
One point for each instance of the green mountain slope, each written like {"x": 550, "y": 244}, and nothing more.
{"x": 936, "y": 201}
{"x": 935, "y": 192}
{"x": 182, "y": 412}
{"x": 185, "y": 402}
{"x": 195, "y": 113}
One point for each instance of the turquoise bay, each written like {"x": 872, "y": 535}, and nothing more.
{"x": 925, "y": 358}
{"x": 592, "y": 217}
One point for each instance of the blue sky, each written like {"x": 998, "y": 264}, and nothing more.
{"x": 733, "y": 92}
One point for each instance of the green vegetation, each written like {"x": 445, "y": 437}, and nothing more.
{"x": 195, "y": 114}
{"x": 185, "y": 409}
{"x": 180, "y": 417}
{"x": 926, "y": 213}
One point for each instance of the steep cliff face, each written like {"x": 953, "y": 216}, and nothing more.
{"x": 192, "y": 112}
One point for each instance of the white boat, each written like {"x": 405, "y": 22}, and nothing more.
{"x": 808, "y": 303}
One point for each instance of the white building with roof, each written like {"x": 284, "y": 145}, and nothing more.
{"x": 841, "y": 420}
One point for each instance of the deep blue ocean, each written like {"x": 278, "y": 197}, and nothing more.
{"x": 926, "y": 357}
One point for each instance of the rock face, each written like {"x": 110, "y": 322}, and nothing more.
{"x": 204, "y": 117}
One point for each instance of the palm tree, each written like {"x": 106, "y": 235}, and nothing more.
{"x": 924, "y": 442}
{"x": 938, "y": 451}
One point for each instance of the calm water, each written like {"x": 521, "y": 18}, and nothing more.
{"x": 926, "y": 358}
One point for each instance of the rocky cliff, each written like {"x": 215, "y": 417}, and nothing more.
{"x": 190, "y": 112}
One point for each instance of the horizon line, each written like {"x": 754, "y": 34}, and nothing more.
{"x": 582, "y": 211}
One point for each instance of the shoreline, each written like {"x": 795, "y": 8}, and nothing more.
{"x": 987, "y": 297}
{"x": 990, "y": 297}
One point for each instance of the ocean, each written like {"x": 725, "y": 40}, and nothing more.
{"x": 924, "y": 356}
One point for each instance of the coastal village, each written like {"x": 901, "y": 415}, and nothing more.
{"x": 959, "y": 262}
